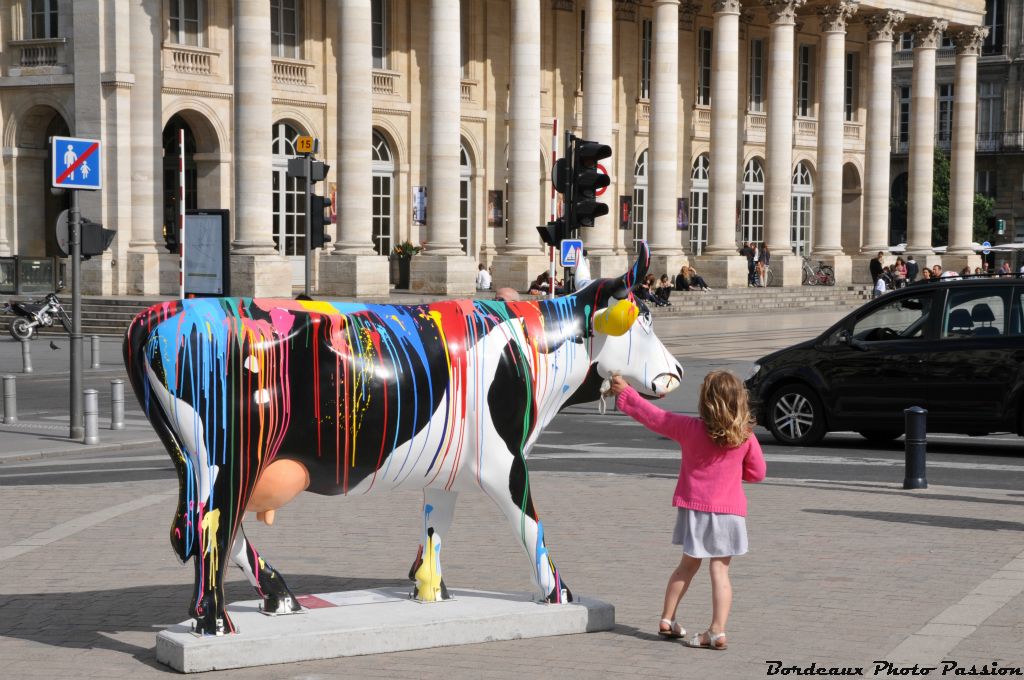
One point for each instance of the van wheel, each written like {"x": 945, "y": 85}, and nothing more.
{"x": 796, "y": 416}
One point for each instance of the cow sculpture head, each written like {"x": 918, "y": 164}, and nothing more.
{"x": 624, "y": 342}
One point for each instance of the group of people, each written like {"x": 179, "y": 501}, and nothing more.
{"x": 759, "y": 257}
{"x": 903, "y": 273}
{"x": 658, "y": 292}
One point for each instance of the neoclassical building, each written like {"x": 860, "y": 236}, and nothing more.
{"x": 729, "y": 121}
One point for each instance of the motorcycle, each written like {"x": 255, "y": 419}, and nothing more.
{"x": 33, "y": 315}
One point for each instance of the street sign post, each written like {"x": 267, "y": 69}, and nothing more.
{"x": 77, "y": 164}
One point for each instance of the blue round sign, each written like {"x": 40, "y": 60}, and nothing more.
{"x": 986, "y": 245}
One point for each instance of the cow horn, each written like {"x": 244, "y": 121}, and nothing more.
{"x": 617, "y": 319}
{"x": 638, "y": 271}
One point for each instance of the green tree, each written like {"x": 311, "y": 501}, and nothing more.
{"x": 983, "y": 206}
{"x": 940, "y": 199}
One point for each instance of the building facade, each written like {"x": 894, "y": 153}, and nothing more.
{"x": 769, "y": 121}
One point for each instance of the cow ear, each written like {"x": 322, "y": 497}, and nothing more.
{"x": 616, "y": 319}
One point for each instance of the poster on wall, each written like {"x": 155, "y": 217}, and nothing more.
{"x": 207, "y": 267}
{"x": 682, "y": 214}
{"x": 495, "y": 209}
{"x": 419, "y": 206}
{"x": 332, "y": 188}
{"x": 625, "y": 211}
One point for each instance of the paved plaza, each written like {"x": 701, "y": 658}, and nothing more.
{"x": 840, "y": 573}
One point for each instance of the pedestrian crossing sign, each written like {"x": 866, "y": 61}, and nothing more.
{"x": 572, "y": 251}
{"x": 76, "y": 163}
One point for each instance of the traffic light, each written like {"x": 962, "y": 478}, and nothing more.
{"x": 95, "y": 239}
{"x": 553, "y": 233}
{"x": 586, "y": 181}
{"x": 317, "y": 221}
{"x": 172, "y": 241}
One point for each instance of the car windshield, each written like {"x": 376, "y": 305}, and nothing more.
{"x": 902, "y": 319}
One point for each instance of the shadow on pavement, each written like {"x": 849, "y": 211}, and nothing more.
{"x": 943, "y": 521}
{"x": 89, "y": 619}
{"x": 890, "y": 490}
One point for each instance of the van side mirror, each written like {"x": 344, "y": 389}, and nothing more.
{"x": 845, "y": 337}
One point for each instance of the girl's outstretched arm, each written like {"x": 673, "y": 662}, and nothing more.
{"x": 754, "y": 467}
{"x": 656, "y": 419}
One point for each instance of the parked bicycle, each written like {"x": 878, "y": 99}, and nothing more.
{"x": 822, "y": 275}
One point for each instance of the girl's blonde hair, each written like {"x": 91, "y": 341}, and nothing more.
{"x": 724, "y": 409}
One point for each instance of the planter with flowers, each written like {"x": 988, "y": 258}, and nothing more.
{"x": 401, "y": 255}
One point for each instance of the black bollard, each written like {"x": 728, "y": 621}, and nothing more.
{"x": 915, "y": 422}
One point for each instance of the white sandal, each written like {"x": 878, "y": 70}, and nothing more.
{"x": 713, "y": 641}
{"x": 673, "y": 631}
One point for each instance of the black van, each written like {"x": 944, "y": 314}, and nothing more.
{"x": 954, "y": 347}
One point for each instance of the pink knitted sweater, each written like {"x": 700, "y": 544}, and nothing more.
{"x": 709, "y": 475}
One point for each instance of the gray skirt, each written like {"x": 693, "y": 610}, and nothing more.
{"x": 710, "y": 534}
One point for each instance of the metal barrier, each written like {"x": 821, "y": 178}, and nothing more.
{"x": 92, "y": 416}
{"x": 26, "y": 356}
{"x": 10, "y": 400}
{"x": 915, "y": 421}
{"x": 95, "y": 351}
{"x": 116, "y": 404}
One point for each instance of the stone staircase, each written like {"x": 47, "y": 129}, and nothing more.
{"x": 111, "y": 316}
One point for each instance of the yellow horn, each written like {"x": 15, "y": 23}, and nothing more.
{"x": 617, "y": 319}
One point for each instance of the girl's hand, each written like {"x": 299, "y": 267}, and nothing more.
{"x": 618, "y": 385}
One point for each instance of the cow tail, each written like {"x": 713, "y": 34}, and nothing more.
{"x": 136, "y": 357}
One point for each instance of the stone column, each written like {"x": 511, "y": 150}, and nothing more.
{"x": 522, "y": 258}
{"x": 443, "y": 268}
{"x": 922, "y": 138}
{"x": 256, "y": 267}
{"x": 147, "y": 166}
{"x": 724, "y": 267}
{"x": 828, "y": 200}
{"x": 353, "y": 268}
{"x": 663, "y": 157}
{"x": 598, "y": 117}
{"x": 961, "y": 181}
{"x": 881, "y": 31}
{"x": 779, "y": 142}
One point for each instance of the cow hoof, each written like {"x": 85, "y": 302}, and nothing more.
{"x": 210, "y": 625}
{"x": 564, "y": 598}
{"x": 276, "y": 605}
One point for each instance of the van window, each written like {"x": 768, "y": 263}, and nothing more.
{"x": 975, "y": 312}
{"x": 902, "y": 319}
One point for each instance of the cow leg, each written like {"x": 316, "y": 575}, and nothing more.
{"x": 208, "y": 603}
{"x": 269, "y": 584}
{"x": 438, "y": 513}
{"x": 511, "y": 493}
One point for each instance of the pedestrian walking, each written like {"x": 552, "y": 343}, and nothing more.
{"x": 912, "y": 269}
{"x": 748, "y": 251}
{"x": 875, "y": 266}
{"x": 719, "y": 451}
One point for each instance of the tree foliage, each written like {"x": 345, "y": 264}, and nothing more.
{"x": 940, "y": 199}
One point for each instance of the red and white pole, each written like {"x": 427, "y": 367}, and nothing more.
{"x": 554, "y": 204}
{"x": 181, "y": 211}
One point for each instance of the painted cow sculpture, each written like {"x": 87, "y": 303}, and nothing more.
{"x": 258, "y": 400}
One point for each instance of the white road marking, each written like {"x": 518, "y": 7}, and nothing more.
{"x": 108, "y": 471}
{"x": 72, "y": 527}
{"x": 60, "y": 462}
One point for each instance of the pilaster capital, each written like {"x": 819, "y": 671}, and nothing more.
{"x": 835, "y": 16}
{"x": 625, "y": 10}
{"x": 726, "y": 7}
{"x": 928, "y": 33}
{"x": 968, "y": 40}
{"x": 783, "y": 11}
{"x": 688, "y": 11}
{"x": 564, "y": 5}
{"x": 882, "y": 25}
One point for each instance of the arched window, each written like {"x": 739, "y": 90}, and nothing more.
{"x": 800, "y": 212}
{"x": 465, "y": 199}
{"x": 172, "y": 151}
{"x": 699, "y": 175}
{"x": 640, "y": 198}
{"x": 289, "y": 201}
{"x": 752, "y": 222}
{"x": 383, "y": 172}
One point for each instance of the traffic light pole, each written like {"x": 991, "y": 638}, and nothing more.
{"x": 75, "y": 236}
{"x": 307, "y": 250}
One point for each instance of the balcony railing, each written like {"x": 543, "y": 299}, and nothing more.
{"x": 852, "y": 130}
{"x": 193, "y": 61}
{"x": 806, "y": 127}
{"x": 40, "y": 53}
{"x": 997, "y": 142}
{"x": 643, "y": 112}
{"x": 702, "y": 122}
{"x": 385, "y": 83}
{"x": 292, "y": 72}
{"x": 906, "y": 57}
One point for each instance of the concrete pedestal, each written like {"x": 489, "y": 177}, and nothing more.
{"x": 142, "y": 265}
{"x": 723, "y": 271}
{"x": 787, "y": 270}
{"x": 357, "y": 276}
{"x": 261, "y": 276}
{"x": 667, "y": 264}
{"x": 955, "y": 262}
{"x": 518, "y": 271}
{"x": 361, "y": 622}
{"x": 841, "y": 266}
{"x": 443, "y": 275}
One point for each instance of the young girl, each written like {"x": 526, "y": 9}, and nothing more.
{"x": 718, "y": 451}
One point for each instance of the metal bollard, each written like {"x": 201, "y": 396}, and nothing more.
{"x": 10, "y": 400}
{"x": 95, "y": 351}
{"x": 117, "y": 404}
{"x": 915, "y": 421}
{"x": 26, "y": 356}
{"x": 91, "y": 410}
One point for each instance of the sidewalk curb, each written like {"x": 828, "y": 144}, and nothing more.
{"x": 22, "y": 456}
